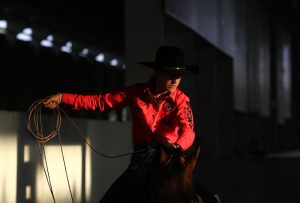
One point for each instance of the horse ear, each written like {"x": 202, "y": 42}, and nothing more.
{"x": 191, "y": 161}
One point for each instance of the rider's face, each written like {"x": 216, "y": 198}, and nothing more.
{"x": 166, "y": 82}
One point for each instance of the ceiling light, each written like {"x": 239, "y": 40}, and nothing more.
{"x": 67, "y": 48}
{"x": 3, "y": 26}
{"x": 25, "y": 35}
{"x": 100, "y": 57}
{"x": 84, "y": 52}
{"x": 114, "y": 62}
{"x": 48, "y": 42}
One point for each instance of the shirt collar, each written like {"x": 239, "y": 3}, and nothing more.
{"x": 171, "y": 95}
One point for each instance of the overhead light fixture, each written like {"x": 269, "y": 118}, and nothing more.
{"x": 114, "y": 62}
{"x": 25, "y": 35}
{"x": 48, "y": 42}
{"x": 84, "y": 52}
{"x": 100, "y": 57}
{"x": 67, "y": 48}
{"x": 3, "y": 26}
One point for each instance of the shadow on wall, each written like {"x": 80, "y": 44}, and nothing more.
{"x": 262, "y": 180}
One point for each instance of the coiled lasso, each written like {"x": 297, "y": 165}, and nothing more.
{"x": 35, "y": 127}
{"x": 34, "y": 122}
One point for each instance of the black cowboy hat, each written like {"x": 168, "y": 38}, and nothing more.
{"x": 171, "y": 60}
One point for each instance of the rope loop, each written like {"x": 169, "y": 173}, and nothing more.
{"x": 34, "y": 122}
{"x": 35, "y": 127}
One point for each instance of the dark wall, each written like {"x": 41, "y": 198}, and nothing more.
{"x": 210, "y": 91}
{"x": 245, "y": 102}
{"x": 251, "y": 180}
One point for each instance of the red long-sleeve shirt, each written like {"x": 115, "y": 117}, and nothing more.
{"x": 168, "y": 119}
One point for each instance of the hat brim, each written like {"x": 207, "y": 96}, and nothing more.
{"x": 172, "y": 71}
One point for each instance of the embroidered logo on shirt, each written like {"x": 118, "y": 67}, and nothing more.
{"x": 189, "y": 114}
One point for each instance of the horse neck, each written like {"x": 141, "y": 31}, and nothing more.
{"x": 171, "y": 181}
{"x": 166, "y": 188}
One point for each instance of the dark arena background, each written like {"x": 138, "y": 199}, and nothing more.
{"x": 245, "y": 98}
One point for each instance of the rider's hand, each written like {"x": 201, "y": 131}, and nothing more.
{"x": 171, "y": 148}
{"x": 53, "y": 101}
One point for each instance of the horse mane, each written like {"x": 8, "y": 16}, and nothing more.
{"x": 171, "y": 178}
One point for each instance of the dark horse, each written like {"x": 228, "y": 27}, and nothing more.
{"x": 158, "y": 177}
{"x": 170, "y": 179}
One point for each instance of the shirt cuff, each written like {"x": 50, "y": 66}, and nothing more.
{"x": 68, "y": 98}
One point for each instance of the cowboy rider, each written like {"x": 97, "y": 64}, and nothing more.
{"x": 161, "y": 113}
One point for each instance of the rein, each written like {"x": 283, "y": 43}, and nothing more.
{"x": 170, "y": 156}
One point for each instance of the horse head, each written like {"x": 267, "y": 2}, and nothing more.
{"x": 172, "y": 178}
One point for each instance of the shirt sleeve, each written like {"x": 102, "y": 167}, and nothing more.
{"x": 186, "y": 133}
{"x": 102, "y": 102}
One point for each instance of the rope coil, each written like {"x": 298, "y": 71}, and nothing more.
{"x": 35, "y": 118}
{"x": 34, "y": 122}
{"x": 35, "y": 128}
